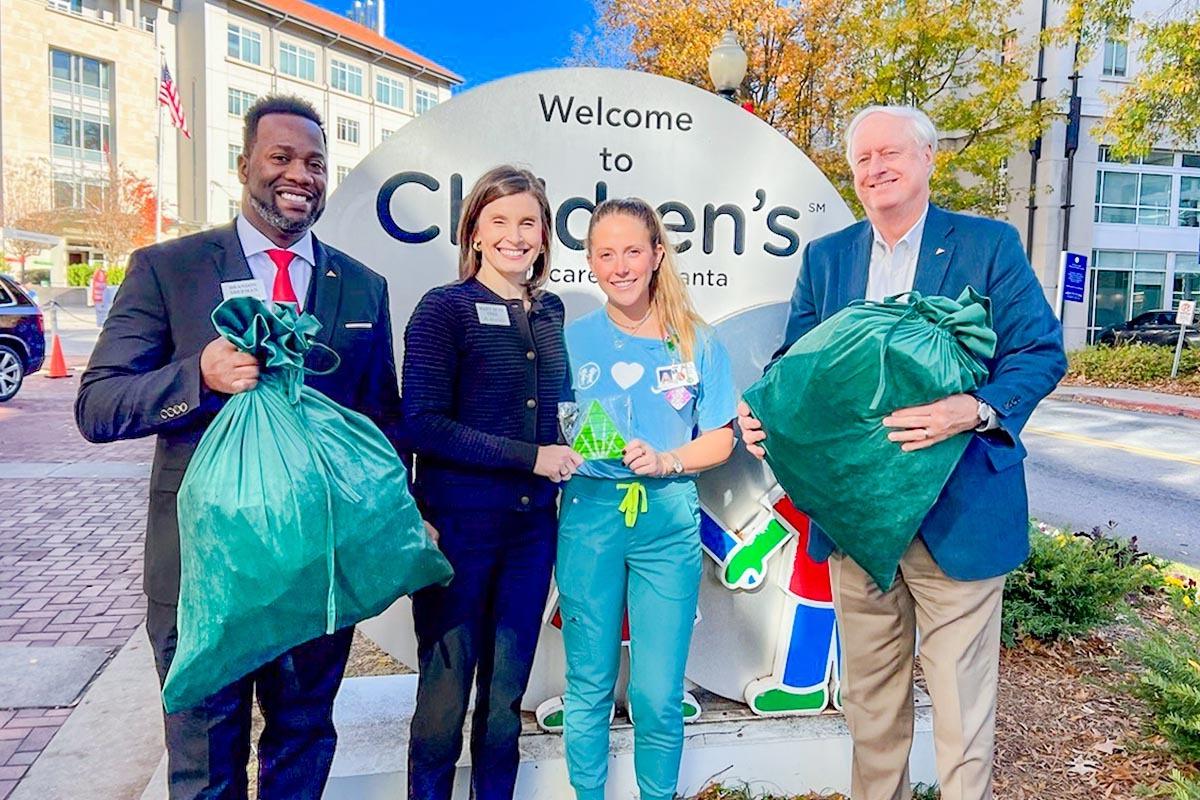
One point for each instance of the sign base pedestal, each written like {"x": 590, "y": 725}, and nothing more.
{"x": 788, "y": 755}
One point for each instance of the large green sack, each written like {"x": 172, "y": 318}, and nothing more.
{"x": 295, "y": 518}
{"x": 822, "y": 406}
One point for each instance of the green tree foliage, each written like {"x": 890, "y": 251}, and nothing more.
{"x": 1163, "y": 99}
{"x": 813, "y": 64}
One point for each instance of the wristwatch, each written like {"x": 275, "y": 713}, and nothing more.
{"x": 676, "y": 467}
{"x": 987, "y": 417}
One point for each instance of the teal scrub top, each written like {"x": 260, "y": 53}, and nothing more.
{"x": 646, "y": 388}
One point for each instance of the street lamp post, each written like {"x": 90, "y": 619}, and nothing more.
{"x": 727, "y": 66}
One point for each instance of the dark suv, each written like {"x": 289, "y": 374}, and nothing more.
{"x": 22, "y": 337}
{"x": 1151, "y": 327}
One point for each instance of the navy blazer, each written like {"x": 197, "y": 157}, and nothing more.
{"x": 143, "y": 378}
{"x": 979, "y": 526}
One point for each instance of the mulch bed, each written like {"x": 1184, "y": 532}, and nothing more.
{"x": 1065, "y": 730}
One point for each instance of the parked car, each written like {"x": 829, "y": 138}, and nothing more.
{"x": 22, "y": 337}
{"x": 1151, "y": 327}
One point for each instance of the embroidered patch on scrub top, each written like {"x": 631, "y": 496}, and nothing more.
{"x": 678, "y": 397}
{"x": 587, "y": 376}
{"x": 492, "y": 314}
{"x": 627, "y": 373}
{"x": 674, "y": 376}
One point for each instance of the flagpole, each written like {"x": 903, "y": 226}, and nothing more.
{"x": 159, "y": 147}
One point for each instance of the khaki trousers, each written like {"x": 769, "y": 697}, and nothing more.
{"x": 959, "y": 627}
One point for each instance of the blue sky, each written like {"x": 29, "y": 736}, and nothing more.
{"x": 486, "y": 39}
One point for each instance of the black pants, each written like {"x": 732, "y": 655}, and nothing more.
{"x": 482, "y": 628}
{"x": 208, "y": 747}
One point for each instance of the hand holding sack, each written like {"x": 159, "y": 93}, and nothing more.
{"x": 823, "y": 403}
{"x": 295, "y": 518}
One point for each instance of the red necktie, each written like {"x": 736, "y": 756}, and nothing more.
{"x": 282, "y": 291}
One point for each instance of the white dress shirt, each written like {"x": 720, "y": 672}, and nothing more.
{"x": 893, "y": 269}
{"x": 255, "y": 245}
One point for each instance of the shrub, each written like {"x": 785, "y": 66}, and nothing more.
{"x": 1072, "y": 584}
{"x": 37, "y": 276}
{"x": 1134, "y": 363}
{"x": 1169, "y": 678}
{"x": 79, "y": 274}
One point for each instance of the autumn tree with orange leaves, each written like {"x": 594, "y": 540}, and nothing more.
{"x": 121, "y": 218}
{"x": 813, "y": 64}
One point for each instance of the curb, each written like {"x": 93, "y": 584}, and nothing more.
{"x": 1128, "y": 405}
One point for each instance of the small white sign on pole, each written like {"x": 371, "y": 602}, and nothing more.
{"x": 1186, "y": 313}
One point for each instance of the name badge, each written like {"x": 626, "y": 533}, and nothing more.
{"x": 492, "y": 314}
{"x": 251, "y": 287}
{"x": 675, "y": 376}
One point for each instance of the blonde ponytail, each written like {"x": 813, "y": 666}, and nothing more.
{"x": 668, "y": 293}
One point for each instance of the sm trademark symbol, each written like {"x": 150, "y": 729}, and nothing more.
{"x": 816, "y": 208}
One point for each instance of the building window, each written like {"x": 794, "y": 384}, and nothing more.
{"x": 1008, "y": 46}
{"x": 345, "y": 77}
{"x": 347, "y": 130}
{"x": 1124, "y": 284}
{"x": 240, "y": 102}
{"x": 1186, "y": 285}
{"x": 78, "y": 191}
{"x": 1191, "y": 160}
{"x": 233, "y": 208}
{"x": 1155, "y": 158}
{"x": 244, "y": 45}
{"x": 80, "y": 136}
{"x": 1189, "y": 202}
{"x": 299, "y": 62}
{"x": 1116, "y": 57}
{"x": 149, "y": 20}
{"x": 389, "y": 91}
{"x": 87, "y": 78}
{"x": 342, "y": 172}
{"x": 70, "y": 6}
{"x": 1133, "y": 198}
{"x": 385, "y": 134}
{"x": 235, "y": 150}
{"x": 424, "y": 100}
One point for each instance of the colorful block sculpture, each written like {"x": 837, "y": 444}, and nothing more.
{"x": 804, "y": 678}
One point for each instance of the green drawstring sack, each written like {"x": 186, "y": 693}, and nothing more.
{"x": 295, "y": 518}
{"x": 822, "y": 406}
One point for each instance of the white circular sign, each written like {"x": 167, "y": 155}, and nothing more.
{"x": 741, "y": 202}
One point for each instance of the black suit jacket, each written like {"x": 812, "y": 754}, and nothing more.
{"x": 144, "y": 375}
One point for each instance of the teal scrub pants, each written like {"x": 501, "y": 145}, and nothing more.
{"x": 627, "y": 544}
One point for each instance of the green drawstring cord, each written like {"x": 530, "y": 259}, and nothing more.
{"x": 635, "y": 495}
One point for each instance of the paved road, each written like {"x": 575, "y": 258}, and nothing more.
{"x": 1089, "y": 465}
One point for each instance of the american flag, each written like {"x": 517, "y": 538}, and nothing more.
{"x": 168, "y": 96}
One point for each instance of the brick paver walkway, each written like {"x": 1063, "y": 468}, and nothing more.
{"x": 70, "y": 551}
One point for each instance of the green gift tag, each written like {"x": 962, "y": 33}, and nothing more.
{"x": 598, "y": 437}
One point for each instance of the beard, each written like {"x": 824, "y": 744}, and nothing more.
{"x": 280, "y": 221}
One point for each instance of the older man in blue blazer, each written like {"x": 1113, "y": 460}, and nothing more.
{"x": 951, "y": 580}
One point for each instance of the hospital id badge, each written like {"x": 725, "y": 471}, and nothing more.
{"x": 675, "y": 376}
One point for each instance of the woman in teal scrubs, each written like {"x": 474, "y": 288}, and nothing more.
{"x": 654, "y": 399}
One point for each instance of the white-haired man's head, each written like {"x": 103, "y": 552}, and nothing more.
{"x": 920, "y": 126}
{"x": 890, "y": 150}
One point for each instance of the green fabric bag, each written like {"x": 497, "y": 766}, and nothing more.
{"x": 822, "y": 406}
{"x": 295, "y": 518}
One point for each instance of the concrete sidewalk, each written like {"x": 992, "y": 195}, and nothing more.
{"x": 1175, "y": 405}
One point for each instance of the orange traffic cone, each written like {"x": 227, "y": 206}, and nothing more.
{"x": 58, "y": 364}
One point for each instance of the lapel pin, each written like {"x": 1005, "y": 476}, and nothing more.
{"x": 330, "y": 274}
{"x": 939, "y": 251}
